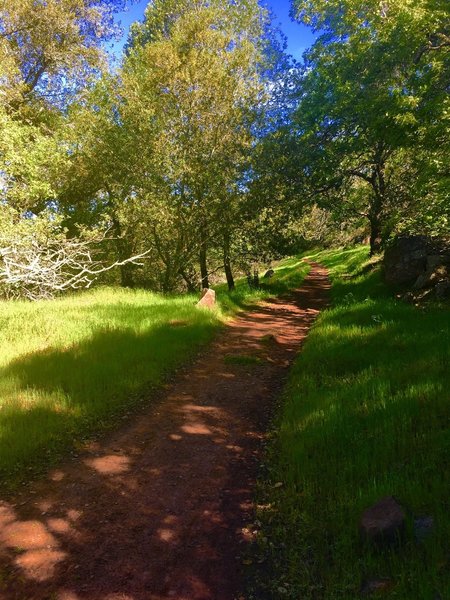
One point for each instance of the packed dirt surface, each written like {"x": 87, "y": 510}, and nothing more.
{"x": 158, "y": 510}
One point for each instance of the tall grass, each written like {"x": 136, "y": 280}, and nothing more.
{"x": 73, "y": 366}
{"x": 365, "y": 416}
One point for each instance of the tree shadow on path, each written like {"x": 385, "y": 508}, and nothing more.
{"x": 158, "y": 510}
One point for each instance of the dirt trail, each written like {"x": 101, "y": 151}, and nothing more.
{"x": 158, "y": 511}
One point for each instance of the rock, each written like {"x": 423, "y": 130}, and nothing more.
{"x": 440, "y": 273}
{"x": 406, "y": 259}
{"x": 208, "y": 299}
{"x": 384, "y": 522}
{"x": 431, "y": 277}
{"x": 422, "y": 281}
{"x": 419, "y": 262}
{"x": 442, "y": 289}
{"x": 435, "y": 260}
{"x": 376, "y": 586}
{"x": 423, "y": 295}
{"x": 408, "y": 298}
{"x": 270, "y": 273}
{"x": 423, "y": 528}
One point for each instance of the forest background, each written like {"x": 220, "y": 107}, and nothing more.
{"x": 207, "y": 149}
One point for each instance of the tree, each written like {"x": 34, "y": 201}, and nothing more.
{"x": 191, "y": 83}
{"x": 48, "y": 49}
{"x": 373, "y": 84}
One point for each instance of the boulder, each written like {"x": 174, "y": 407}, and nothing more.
{"x": 383, "y": 523}
{"x": 431, "y": 277}
{"x": 437, "y": 260}
{"x": 406, "y": 259}
{"x": 270, "y": 273}
{"x": 442, "y": 290}
{"x": 417, "y": 260}
{"x": 208, "y": 298}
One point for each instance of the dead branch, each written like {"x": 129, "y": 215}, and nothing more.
{"x": 36, "y": 270}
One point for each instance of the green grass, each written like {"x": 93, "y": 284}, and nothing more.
{"x": 72, "y": 367}
{"x": 365, "y": 415}
{"x": 289, "y": 274}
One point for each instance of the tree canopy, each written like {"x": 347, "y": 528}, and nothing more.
{"x": 209, "y": 149}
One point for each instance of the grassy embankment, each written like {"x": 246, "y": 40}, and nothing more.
{"x": 365, "y": 415}
{"x": 74, "y": 366}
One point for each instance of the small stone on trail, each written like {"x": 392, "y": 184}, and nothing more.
{"x": 383, "y": 522}
{"x": 208, "y": 299}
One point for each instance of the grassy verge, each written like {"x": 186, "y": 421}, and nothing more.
{"x": 289, "y": 274}
{"x": 365, "y": 415}
{"x": 74, "y": 366}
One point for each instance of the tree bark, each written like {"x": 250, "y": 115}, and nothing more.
{"x": 124, "y": 251}
{"x": 203, "y": 259}
{"x": 191, "y": 287}
{"x": 227, "y": 262}
{"x": 378, "y": 203}
{"x": 375, "y": 234}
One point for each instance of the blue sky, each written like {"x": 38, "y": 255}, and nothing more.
{"x": 299, "y": 37}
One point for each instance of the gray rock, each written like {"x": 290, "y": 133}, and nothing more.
{"x": 408, "y": 298}
{"x": 410, "y": 257}
{"x": 270, "y": 273}
{"x": 440, "y": 273}
{"x": 208, "y": 299}
{"x": 431, "y": 277}
{"x": 423, "y": 528}
{"x": 383, "y": 523}
{"x": 442, "y": 290}
{"x": 433, "y": 261}
{"x": 406, "y": 259}
{"x": 422, "y": 281}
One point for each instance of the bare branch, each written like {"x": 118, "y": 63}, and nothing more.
{"x": 35, "y": 270}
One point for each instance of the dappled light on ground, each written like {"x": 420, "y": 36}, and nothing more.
{"x": 158, "y": 511}
{"x": 109, "y": 465}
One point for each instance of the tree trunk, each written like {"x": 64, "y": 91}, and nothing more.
{"x": 191, "y": 287}
{"x": 124, "y": 252}
{"x": 126, "y": 276}
{"x": 375, "y": 235}
{"x": 227, "y": 262}
{"x": 375, "y": 221}
{"x": 203, "y": 259}
{"x": 378, "y": 203}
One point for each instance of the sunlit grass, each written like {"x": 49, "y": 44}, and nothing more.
{"x": 365, "y": 416}
{"x": 289, "y": 274}
{"x": 74, "y": 366}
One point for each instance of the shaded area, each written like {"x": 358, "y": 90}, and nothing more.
{"x": 61, "y": 394}
{"x": 158, "y": 511}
